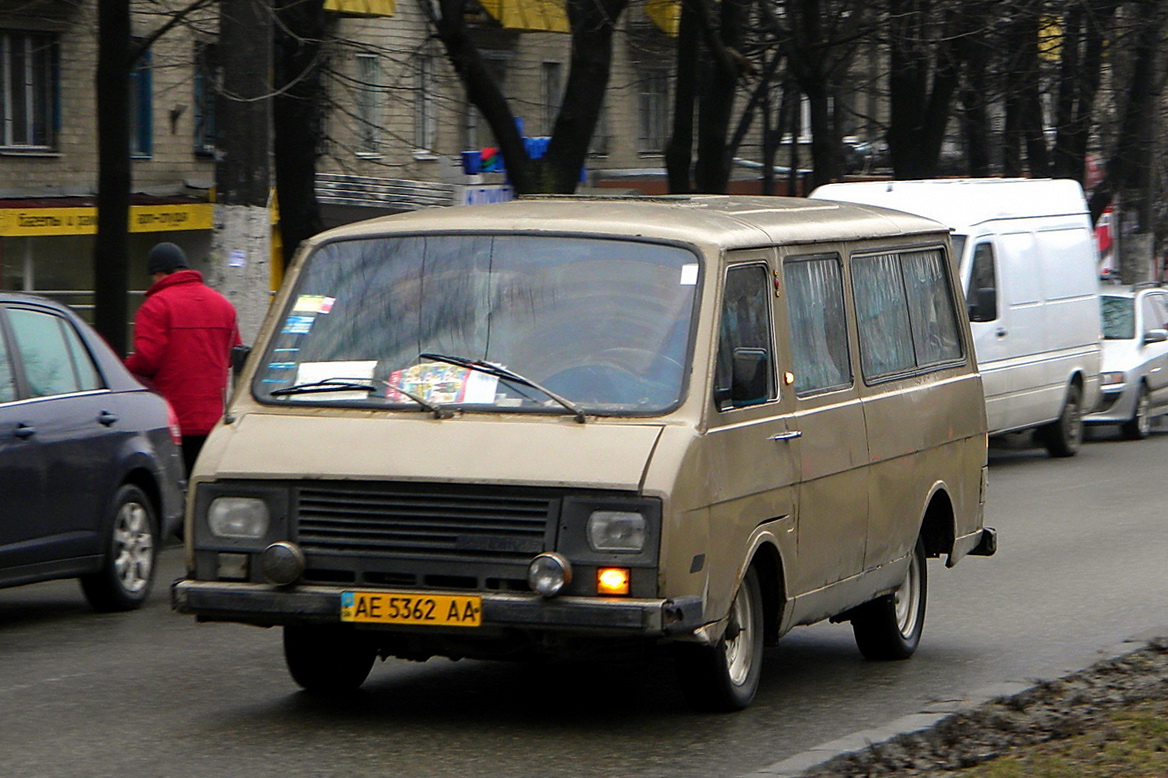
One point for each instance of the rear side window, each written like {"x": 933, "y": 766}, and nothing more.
{"x": 819, "y": 330}
{"x": 905, "y": 312}
{"x": 54, "y": 360}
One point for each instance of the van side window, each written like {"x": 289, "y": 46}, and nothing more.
{"x": 905, "y": 312}
{"x": 983, "y": 284}
{"x": 745, "y": 373}
{"x": 819, "y": 335}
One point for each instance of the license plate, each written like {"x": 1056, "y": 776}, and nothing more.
{"x": 420, "y": 608}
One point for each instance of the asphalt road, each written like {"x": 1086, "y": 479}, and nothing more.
{"x": 1081, "y": 566}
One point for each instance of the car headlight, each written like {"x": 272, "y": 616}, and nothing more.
{"x": 616, "y": 531}
{"x": 238, "y": 517}
{"x": 1111, "y": 379}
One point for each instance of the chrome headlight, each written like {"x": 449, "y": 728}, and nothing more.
{"x": 238, "y": 517}
{"x": 619, "y": 531}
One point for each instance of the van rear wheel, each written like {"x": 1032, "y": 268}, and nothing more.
{"x": 328, "y": 660}
{"x": 890, "y": 627}
{"x": 724, "y": 677}
{"x": 1063, "y": 436}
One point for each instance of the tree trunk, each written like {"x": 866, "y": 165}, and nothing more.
{"x": 241, "y": 244}
{"x": 112, "y": 245}
{"x": 297, "y": 116}
{"x": 679, "y": 150}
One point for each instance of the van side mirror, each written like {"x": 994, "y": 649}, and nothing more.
{"x": 239, "y": 356}
{"x": 749, "y": 383}
{"x": 1155, "y": 336}
{"x": 983, "y": 305}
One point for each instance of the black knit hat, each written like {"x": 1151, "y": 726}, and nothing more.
{"x": 165, "y": 258}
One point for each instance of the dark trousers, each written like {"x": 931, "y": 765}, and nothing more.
{"x": 191, "y": 444}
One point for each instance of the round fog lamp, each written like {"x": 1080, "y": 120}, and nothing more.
{"x": 548, "y": 573}
{"x": 282, "y": 563}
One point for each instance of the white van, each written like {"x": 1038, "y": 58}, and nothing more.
{"x": 1029, "y": 265}
{"x": 585, "y": 425}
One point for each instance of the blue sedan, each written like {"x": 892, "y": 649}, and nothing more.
{"x": 91, "y": 475}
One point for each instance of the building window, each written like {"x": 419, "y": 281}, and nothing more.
{"x": 599, "y": 145}
{"x": 141, "y": 107}
{"x": 654, "y": 111}
{"x": 553, "y": 93}
{"x": 478, "y": 134}
{"x": 369, "y": 93}
{"x": 426, "y": 108}
{"x": 29, "y": 87}
{"x": 207, "y": 79}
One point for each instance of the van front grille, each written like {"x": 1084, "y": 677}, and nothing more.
{"x": 423, "y": 522}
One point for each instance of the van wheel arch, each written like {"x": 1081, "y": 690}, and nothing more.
{"x": 771, "y": 578}
{"x": 938, "y": 527}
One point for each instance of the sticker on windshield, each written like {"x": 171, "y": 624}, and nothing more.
{"x": 313, "y": 303}
{"x": 689, "y": 275}
{"x": 442, "y": 383}
{"x": 298, "y": 325}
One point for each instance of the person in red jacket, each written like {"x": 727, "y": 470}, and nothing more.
{"x": 183, "y": 336}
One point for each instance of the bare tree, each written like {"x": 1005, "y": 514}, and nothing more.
{"x": 592, "y": 24}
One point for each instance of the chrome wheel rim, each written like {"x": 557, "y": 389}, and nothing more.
{"x": 739, "y": 642}
{"x": 907, "y": 598}
{"x": 133, "y": 547}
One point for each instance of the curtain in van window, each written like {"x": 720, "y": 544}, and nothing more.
{"x": 930, "y": 308}
{"x": 886, "y": 342}
{"x": 819, "y": 337}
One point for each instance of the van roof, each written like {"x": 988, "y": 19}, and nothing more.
{"x": 964, "y": 202}
{"x": 725, "y": 221}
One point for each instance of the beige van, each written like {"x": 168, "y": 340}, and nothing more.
{"x": 567, "y": 425}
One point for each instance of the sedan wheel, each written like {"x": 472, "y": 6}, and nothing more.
{"x": 1140, "y": 424}
{"x": 128, "y": 569}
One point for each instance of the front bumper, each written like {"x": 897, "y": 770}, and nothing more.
{"x": 267, "y": 605}
{"x": 1115, "y": 407}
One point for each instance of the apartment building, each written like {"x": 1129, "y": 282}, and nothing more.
{"x": 396, "y": 126}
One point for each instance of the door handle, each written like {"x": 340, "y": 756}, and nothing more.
{"x": 789, "y": 435}
{"x": 1000, "y": 332}
{"x": 25, "y": 431}
{"x": 107, "y": 418}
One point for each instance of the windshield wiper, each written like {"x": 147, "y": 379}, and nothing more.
{"x": 327, "y": 385}
{"x": 490, "y": 368}
{"x": 358, "y": 385}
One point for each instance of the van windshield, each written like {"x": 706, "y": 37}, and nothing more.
{"x": 594, "y": 325}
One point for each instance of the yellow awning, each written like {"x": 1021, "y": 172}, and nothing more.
{"x": 665, "y": 14}
{"x": 33, "y": 222}
{"x": 531, "y": 15}
{"x": 362, "y": 7}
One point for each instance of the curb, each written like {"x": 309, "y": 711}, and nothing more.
{"x": 936, "y": 712}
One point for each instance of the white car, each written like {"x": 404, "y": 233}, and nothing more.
{"x": 1135, "y": 359}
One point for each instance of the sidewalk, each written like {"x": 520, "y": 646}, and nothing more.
{"x": 951, "y": 735}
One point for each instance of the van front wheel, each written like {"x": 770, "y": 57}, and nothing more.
{"x": 890, "y": 627}
{"x": 328, "y": 660}
{"x": 724, "y": 676}
{"x": 1063, "y": 435}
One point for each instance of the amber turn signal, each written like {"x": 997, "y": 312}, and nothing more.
{"x": 612, "y": 580}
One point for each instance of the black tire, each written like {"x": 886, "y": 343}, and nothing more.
{"x": 1063, "y": 436}
{"x": 131, "y": 548}
{"x": 1140, "y": 424}
{"x": 328, "y": 660}
{"x": 724, "y": 677}
{"x": 890, "y": 627}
